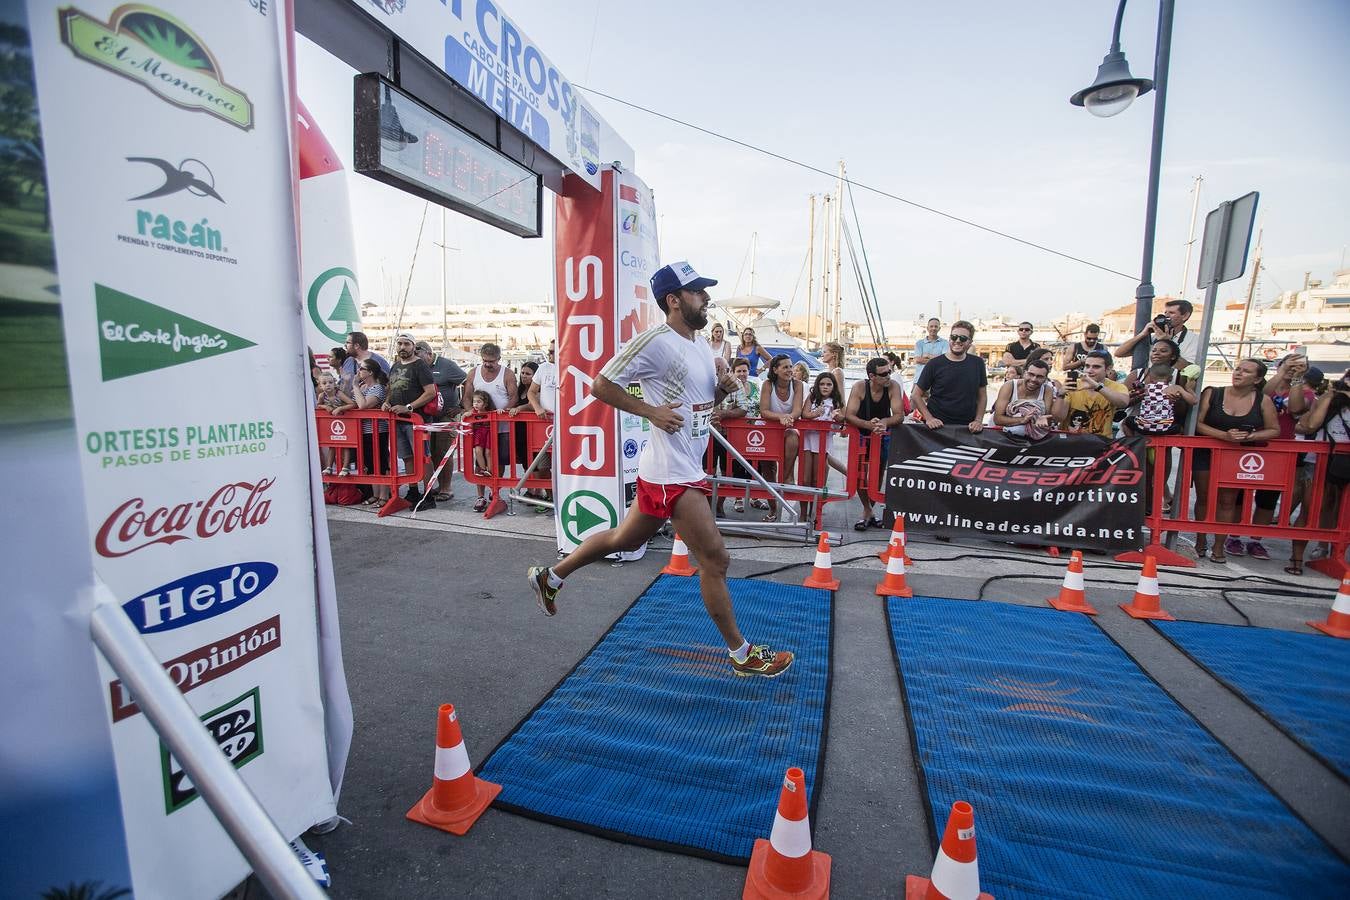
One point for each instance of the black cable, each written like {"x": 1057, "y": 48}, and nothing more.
{"x": 866, "y": 187}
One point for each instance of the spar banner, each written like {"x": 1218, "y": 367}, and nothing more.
{"x": 1075, "y": 490}
{"x": 166, "y": 142}
{"x": 487, "y": 53}
{"x": 605, "y": 251}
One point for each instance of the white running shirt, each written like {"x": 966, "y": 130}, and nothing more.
{"x": 671, "y": 369}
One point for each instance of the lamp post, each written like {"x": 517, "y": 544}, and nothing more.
{"x": 1113, "y": 90}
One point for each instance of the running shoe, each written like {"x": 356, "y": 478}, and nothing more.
{"x": 763, "y": 661}
{"x": 543, "y": 594}
{"x": 1257, "y": 550}
{"x": 1233, "y": 547}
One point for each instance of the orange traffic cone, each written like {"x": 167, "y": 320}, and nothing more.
{"x": 956, "y": 872}
{"x": 457, "y": 797}
{"x": 1338, "y": 621}
{"x": 679, "y": 560}
{"x": 822, "y": 576}
{"x": 1146, "y": 603}
{"x": 897, "y": 535}
{"x": 893, "y": 584}
{"x": 1071, "y": 597}
{"x": 785, "y": 867}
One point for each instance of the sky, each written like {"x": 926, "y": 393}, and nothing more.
{"x": 962, "y": 107}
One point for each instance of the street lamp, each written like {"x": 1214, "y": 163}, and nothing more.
{"x": 1111, "y": 92}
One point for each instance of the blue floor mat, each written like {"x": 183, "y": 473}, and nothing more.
{"x": 1297, "y": 681}
{"x": 1086, "y": 777}
{"x": 651, "y": 739}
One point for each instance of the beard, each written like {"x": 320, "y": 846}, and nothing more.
{"x": 695, "y": 319}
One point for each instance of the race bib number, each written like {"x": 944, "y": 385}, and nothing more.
{"x": 701, "y": 423}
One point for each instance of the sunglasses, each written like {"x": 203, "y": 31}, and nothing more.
{"x": 960, "y": 338}
{"x": 1024, "y": 329}
{"x": 886, "y": 374}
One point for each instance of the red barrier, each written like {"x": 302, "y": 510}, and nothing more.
{"x": 1262, "y": 466}
{"x": 764, "y": 441}
{"x": 342, "y": 434}
{"x": 511, "y": 453}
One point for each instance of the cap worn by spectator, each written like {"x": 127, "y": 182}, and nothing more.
{"x": 404, "y": 336}
{"x": 422, "y": 347}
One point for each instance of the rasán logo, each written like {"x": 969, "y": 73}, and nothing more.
{"x": 233, "y": 507}
{"x": 199, "y": 596}
{"x": 154, "y": 49}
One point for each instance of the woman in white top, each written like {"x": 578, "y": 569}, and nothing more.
{"x": 823, "y": 404}
{"x": 718, "y": 344}
{"x": 780, "y": 400}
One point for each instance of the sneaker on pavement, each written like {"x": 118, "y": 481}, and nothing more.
{"x": 543, "y": 594}
{"x": 763, "y": 661}
{"x": 1257, "y": 550}
{"x": 1233, "y": 547}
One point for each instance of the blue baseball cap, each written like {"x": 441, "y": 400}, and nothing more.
{"x": 677, "y": 276}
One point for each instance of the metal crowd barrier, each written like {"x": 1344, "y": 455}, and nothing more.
{"x": 1260, "y": 466}
{"x": 342, "y": 433}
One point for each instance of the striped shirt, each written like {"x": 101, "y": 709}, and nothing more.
{"x": 671, "y": 369}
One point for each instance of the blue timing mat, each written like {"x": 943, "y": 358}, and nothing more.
{"x": 1086, "y": 778}
{"x": 652, "y": 739}
{"x": 1297, "y": 681}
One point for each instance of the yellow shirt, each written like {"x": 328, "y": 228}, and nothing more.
{"x": 1090, "y": 412}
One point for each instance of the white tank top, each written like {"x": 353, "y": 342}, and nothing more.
{"x": 1017, "y": 383}
{"x": 496, "y": 390}
{"x": 768, "y": 398}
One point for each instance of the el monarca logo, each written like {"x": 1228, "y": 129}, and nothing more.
{"x": 156, "y": 50}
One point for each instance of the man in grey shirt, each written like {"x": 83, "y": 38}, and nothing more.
{"x": 448, "y": 376}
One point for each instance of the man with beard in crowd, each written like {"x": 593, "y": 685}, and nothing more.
{"x": 411, "y": 387}
{"x": 448, "y": 377}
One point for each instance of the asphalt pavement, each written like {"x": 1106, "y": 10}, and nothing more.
{"x": 436, "y": 610}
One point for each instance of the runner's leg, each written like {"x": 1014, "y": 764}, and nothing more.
{"x": 635, "y": 530}
{"x": 696, "y": 527}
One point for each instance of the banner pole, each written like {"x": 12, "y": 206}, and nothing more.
{"x": 218, "y": 782}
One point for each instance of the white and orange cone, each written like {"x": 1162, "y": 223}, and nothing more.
{"x": 679, "y": 560}
{"x": 1146, "y": 603}
{"x": 457, "y": 797}
{"x": 956, "y": 872}
{"x": 1071, "y": 597}
{"x": 897, "y": 539}
{"x": 1338, "y": 620}
{"x": 822, "y": 575}
{"x": 785, "y": 867}
{"x": 893, "y": 583}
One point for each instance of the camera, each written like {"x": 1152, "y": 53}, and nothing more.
{"x": 1161, "y": 321}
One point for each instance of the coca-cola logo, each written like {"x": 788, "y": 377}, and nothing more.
{"x": 232, "y": 507}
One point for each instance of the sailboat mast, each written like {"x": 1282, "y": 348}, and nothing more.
{"x": 810, "y": 266}
{"x": 1190, "y": 237}
{"x": 838, "y": 236}
{"x": 754, "y": 246}
{"x": 825, "y": 273}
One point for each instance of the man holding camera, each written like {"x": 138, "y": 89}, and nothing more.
{"x": 1171, "y": 324}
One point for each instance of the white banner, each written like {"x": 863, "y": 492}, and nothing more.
{"x": 167, "y": 154}
{"x": 479, "y": 46}
{"x": 635, "y": 310}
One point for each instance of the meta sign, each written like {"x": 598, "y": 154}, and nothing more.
{"x": 601, "y": 305}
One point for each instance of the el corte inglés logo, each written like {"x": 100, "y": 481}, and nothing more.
{"x": 136, "y": 336}
{"x": 159, "y": 52}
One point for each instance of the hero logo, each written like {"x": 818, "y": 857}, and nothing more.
{"x": 199, "y": 596}
{"x": 584, "y": 339}
{"x": 232, "y": 507}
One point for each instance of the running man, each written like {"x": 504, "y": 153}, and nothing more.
{"x": 676, "y": 368}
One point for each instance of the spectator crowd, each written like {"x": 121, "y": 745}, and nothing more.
{"x": 1080, "y": 391}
